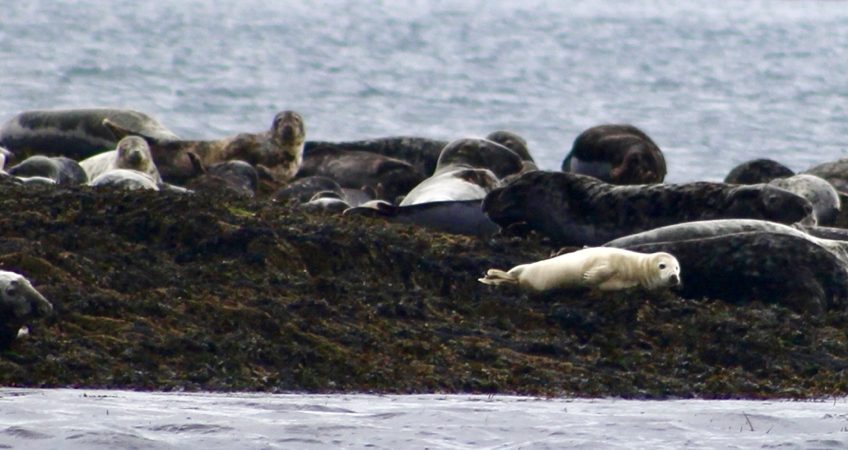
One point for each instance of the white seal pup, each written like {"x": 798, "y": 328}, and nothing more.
{"x": 601, "y": 268}
{"x": 132, "y": 152}
{"x": 126, "y": 179}
{"x": 19, "y": 302}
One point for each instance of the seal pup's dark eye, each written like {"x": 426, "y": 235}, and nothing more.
{"x": 662, "y": 266}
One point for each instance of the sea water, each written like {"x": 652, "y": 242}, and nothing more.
{"x": 714, "y": 83}
{"x": 95, "y": 419}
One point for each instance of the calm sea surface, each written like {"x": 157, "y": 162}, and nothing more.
{"x": 715, "y": 83}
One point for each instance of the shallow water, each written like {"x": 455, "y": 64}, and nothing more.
{"x": 715, "y": 83}
{"x": 91, "y": 419}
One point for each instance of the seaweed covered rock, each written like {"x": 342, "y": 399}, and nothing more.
{"x": 157, "y": 290}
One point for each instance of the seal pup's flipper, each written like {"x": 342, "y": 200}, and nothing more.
{"x": 497, "y": 277}
{"x": 598, "y": 274}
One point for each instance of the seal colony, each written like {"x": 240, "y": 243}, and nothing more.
{"x": 274, "y": 281}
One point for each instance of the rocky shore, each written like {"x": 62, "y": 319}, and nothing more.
{"x": 164, "y": 291}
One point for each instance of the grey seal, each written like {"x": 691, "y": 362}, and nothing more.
{"x": 387, "y": 177}
{"x": 467, "y": 169}
{"x": 422, "y": 153}
{"x": 820, "y": 193}
{"x": 573, "y": 209}
{"x": 76, "y": 133}
{"x": 617, "y": 154}
{"x": 131, "y": 152}
{"x": 19, "y": 303}
{"x": 61, "y": 170}
{"x": 747, "y": 260}
{"x": 758, "y": 171}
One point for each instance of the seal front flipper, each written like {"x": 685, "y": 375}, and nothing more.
{"x": 598, "y": 274}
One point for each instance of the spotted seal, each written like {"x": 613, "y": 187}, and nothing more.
{"x": 76, "y": 133}
{"x": 574, "y": 209}
{"x": 387, "y": 177}
{"x": 63, "y": 171}
{"x": 128, "y": 179}
{"x": 517, "y": 144}
{"x": 19, "y": 303}
{"x": 752, "y": 260}
{"x": 235, "y": 176}
{"x": 276, "y": 154}
{"x": 758, "y": 171}
{"x": 602, "y": 268}
{"x": 617, "y": 154}
{"x": 820, "y": 193}
{"x": 132, "y": 152}
{"x": 422, "y": 153}
{"x": 467, "y": 169}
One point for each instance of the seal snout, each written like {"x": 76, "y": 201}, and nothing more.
{"x": 674, "y": 280}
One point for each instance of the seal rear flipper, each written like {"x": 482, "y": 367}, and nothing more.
{"x": 496, "y": 277}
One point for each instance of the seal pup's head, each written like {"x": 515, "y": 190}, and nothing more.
{"x": 661, "y": 270}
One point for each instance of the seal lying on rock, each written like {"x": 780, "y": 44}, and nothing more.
{"x": 617, "y": 154}
{"x": 276, "y": 154}
{"x": 387, "y": 177}
{"x": 233, "y": 176}
{"x": 747, "y": 260}
{"x": 76, "y": 133}
{"x": 515, "y": 143}
{"x": 579, "y": 210}
{"x": 125, "y": 179}
{"x": 835, "y": 172}
{"x": 132, "y": 152}
{"x": 758, "y": 171}
{"x": 820, "y": 193}
{"x": 19, "y": 303}
{"x": 422, "y": 153}
{"x": 63, "y": 171}
{"x": 600, "y": 268}
{"x": 467, "y": 170}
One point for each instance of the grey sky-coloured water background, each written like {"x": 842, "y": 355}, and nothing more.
{"x": 714, "y": 83}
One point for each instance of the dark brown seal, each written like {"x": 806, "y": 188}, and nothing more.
{"x": 617, "y": 154}
{"x": 575, "y": 209}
